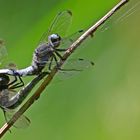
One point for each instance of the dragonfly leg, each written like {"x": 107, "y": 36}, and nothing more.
{"x": 15, "y": 80}
{"x": 59, "y": 55}
{"x": 61, "y": 50}
{"x": 21, "y": 81}
{"x": 50, "y": 64}
{"x": 56, "y": 61}
{"x": 4, "y": 112}
{"x": 17, "y": 85}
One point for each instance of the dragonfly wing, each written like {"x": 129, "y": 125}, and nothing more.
{"x": 4, "y": 62}
{"x": 67, "y": 41}
{"x": 78, "y": 64}
{"x": 11, "y": 65}
{"x": 3, "y": 54}
{"x": 5, "y": 96}
{"x": 5, "y": 101}
{"x": 22, "y": 122}
{"x": 60, "y": 25}
{"x": 73, "y": 67}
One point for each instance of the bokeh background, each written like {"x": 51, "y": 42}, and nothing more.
{"x": 101, "y": 103}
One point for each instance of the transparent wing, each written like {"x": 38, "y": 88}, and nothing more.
{"x": 77, "y": 64}
{"x": 22, "y": 122}
{"x": 71, "y": 68}
{"x": 3, "y": 54}
{"x": 60, "y": 25}
{"x": 5, "y": 96}
{"x": 11, "y": 65}
{"x": 74, "y": 67}
{"x": 5, "y": 101}
{"x": 4, "y": 61}
{"x": 67, "y": 41}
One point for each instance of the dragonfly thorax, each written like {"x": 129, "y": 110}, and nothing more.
{"x": 54, "y": 40}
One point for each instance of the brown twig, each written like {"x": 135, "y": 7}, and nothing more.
{"x": 49, "y": 78}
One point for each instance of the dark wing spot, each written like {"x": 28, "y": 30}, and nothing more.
{"x": 69, "y": 12}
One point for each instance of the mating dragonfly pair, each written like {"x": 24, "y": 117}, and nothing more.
{"x": 49, "y": 51}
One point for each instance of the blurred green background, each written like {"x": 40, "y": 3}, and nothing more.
{"x": 99, "y": 104}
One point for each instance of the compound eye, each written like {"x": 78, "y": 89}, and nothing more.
{"x": 55, "y": 38}
{"x": 4, "y": 79}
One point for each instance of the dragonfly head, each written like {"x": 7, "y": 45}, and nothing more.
{"x": 4, "y": 80}
{"x": 54, "y": 40}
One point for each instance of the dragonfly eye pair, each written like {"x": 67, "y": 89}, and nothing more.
{"x": 54, "y": 40}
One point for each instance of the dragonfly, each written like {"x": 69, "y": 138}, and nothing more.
{"x": 55, "y": 41}
{"x": 10, "y": 101}
{"x": 45, "y": 56}
{"x": 51, "y": 45}
{"x": 10, "y": 81}
{"x": 8, "y": 86}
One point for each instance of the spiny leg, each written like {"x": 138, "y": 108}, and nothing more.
{"x": 61, "y": 50}
{"x": 59, "y": 55}
{"x": 56, "y": 61}
{"x": 50, "y": 64}
{"x": 21, "y": 81}
{"x": 4, "y": 112}
{"x": 17, "y": 85}
{"x": 15, "y": 80}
